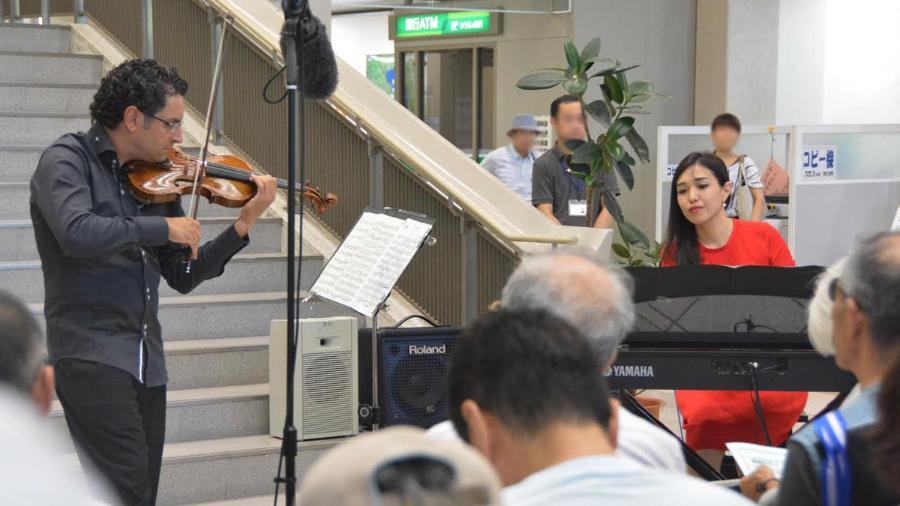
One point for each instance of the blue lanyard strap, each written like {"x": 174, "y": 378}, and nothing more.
{"x": 835, "y": 479}
{"x": 576, "y": 182}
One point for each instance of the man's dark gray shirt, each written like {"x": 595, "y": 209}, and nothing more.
{"x": 103, "y": 253}
{"x": 550, "y": 184}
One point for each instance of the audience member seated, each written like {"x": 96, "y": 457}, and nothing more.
{"x": 525, "y": 391}
{"x": 23, "y": 365}
{"x": 725, "y": 133}
{"x": 400, "y": 466}
{"x": 866, "y": 327}
{"x": 556, "y": 192}
{"x": 594, "y": 297}
{"x": 33, "y": 468}
{"x": 512, "y": 163}
{"x": 700, "y": 232}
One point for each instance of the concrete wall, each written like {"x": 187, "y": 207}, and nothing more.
{"x": 528, "y": 42}
{"x": 355, "y": 36}
{"x": 660, "y": 37}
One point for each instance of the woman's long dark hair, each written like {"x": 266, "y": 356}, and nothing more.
{"x": 681, "y": 238}
{"x": 886, "y": 436}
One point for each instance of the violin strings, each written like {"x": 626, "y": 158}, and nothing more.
{"x": 238, "y": 174}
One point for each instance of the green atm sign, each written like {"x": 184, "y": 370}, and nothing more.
{"x": 442, "y": 24}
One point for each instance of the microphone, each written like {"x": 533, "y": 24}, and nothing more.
{"x": 315, "y": 56}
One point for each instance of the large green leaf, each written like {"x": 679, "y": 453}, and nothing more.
{"x": 541, "y": 80}
{"x": 616, "y": 151}
{"x": 613, "y": 70}
{"x": 625, "y": 173}
{"x": 635, "y": 99}
{"x": 615, "y": 89}
{"x": 572, "y": 56}
{"x": 612, "y": 205}
{"x": 576, "y": 85}
{"x": 572, "y": 144}
{"x": 619, "y": 128}
{"x": 586, "y": 153}
{"x": 638, "y": 145}
{"x": 640, "y": 87}
{"x": 621, "y": 250}
{"x": 633, "y": 235}
{"x": 623, "y": 82}
{"x": 600, "y": 112}
{"x": 590, "y": 50}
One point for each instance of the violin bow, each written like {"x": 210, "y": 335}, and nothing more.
{"x": 210, "y": 108}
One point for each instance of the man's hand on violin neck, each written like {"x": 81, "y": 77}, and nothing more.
{"x": 265, "y": 195}
{"x": 185, "y": 231}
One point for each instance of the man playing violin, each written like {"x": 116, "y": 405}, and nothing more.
{"x": 103, "y": 253}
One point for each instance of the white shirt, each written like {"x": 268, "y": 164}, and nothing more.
{"x": 514, "y": 170}
{"x": 639, "y": 441}
{"x": 609, "y": 479}
{"x": 34, "y": 468}
{"x": 754, "y": 180}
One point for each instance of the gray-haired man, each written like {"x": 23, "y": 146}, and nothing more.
{"x": 23, "y": 355}
{"x": 594, "y": 297}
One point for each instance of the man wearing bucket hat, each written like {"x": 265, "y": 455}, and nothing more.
{"x": 512, "y": 163}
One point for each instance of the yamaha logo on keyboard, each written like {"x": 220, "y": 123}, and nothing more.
{"x": 428, "y": 350}
{"x": 631, "y": 371}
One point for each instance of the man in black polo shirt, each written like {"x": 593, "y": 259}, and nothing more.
{"x": 557, "y": 193}
{"x": 103, "y": 253}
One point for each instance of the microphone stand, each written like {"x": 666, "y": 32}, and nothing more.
{"x": 289, "y": 435}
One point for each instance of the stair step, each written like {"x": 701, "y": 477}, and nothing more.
{"x": 17, "y": 236}
{"x": 217, "y": 362}
{"x": 45, "y": 98}
{"x": 248, "y": 273}
{"x": 203, "y": 413}
{"x": 38, "y": 129}
{"x": 50, "y": 67}
{"x": 219, "y": 470}
{"x": 35, "y": 38}
{"x": 228, "y": 315}
{"x": 17, "y": 163}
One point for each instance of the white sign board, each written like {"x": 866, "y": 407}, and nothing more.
{"x": 819, "y": 162}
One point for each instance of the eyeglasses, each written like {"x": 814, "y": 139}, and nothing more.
{"x": 172, "y": 126}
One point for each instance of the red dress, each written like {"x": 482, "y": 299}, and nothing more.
{"x": 712, "y": 418}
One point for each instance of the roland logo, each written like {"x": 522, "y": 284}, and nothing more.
{"x": 631, "y": 371}
{"x": 428, "y": 350}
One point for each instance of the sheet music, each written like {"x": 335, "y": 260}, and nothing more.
{"x": 371, "y": 259}
{"x": 749, "y": 456}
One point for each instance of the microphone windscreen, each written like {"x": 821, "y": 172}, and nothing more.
{"x": 318, "y": 68}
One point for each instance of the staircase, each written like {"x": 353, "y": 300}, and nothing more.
{"x": 216, "y": 338}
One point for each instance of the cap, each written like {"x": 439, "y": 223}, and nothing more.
{"x": 393, "y": 465}
{"x": 523, "y": 122}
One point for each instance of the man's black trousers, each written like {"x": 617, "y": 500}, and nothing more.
{"x": 117, "y": 423}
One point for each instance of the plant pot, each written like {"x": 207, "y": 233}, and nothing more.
{"x": 652, "y": 404}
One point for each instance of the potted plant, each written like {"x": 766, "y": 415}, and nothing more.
{"x": 615, "y": 111}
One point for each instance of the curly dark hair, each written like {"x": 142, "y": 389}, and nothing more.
{"x": 144, "y": 84}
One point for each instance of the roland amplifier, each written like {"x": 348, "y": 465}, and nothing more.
{"x": 325, "y": 383}
{"x": 413, "y": 365}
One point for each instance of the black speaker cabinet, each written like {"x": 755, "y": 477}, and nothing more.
{"x": 412, "y": 366}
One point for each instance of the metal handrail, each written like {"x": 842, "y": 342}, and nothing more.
{"x": 268, "y": 44}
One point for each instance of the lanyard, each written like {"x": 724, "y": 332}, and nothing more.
{"x": 835, "y": 479}
{"x": 575, "y": 182}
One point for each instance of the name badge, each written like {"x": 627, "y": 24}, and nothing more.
{"x": 577, "y": 207}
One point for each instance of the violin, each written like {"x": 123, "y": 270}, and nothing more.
{"x": 224, "y": 180}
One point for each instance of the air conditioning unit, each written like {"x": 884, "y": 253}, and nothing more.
{"x": 326, "y": 396}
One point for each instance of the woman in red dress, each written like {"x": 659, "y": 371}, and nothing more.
{"x": 701, "y": 233}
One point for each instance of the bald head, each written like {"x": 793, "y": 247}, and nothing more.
{"x": 582, "y": 289}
